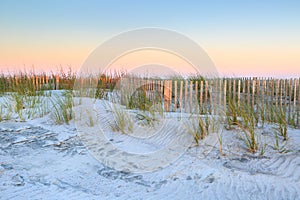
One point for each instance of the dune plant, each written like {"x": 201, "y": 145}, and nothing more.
{"x": 278, "y": 147}
{"x": 36, "y": 106}
{"x": 121, "y": 119}
{"x": 90, "y": 122}
{"x": 62, "y": 108}
{"x": 217, "y": 124}
{"x": 232, "y": 113}
{"x": 282, "y": 124}
{"x": 220, "y": 141}
{"x": 139, "y": 100}
{"x": 292, "y": 119}
{"x": 248, "y": 124}
{"x": 101, "y": 90}
{"x": 261, "y": 112}
{"x": 18, "y": 103}
{"x": 7, "y": 107}
{"x": 146, "y": 118}
{"x": 197, "y": 128}
{"x": 262, "y": 146}
{"x": 147, "y": 111}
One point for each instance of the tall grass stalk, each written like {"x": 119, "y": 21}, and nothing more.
{"x": 282, "y": 124}
{"x": 248, "y": 125}
{"x": 90, "y": 122}
{"x": 232, "y": 113}
{"x": 62, "y": 108}
{"x": 220, "y": 140}
{"x": 197, "y": 127}
{"x": 18, "y": 103}
{"x": 121, "y": 119}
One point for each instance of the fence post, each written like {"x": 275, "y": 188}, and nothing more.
{"x": 244, "y": 92}
{"x": 191, "y": 96}
{"x": 185, "y": 95}
{"x": 16, "y": 80}
{"x": 180, "y": 95}
{"x": 295, "y": 96}
{"x": 276, "y": 91}
{"x": 239, "y": 92}
{"x": 281, "y": 93}
{"x": 170, "y": 94}
{"x": 290, "y": 96}
{"x": 196, "y": 94}
{"x": 253, "y": 92}
{"x": 285, "y": 95}
{"x": 225, "y": 104}
{"x": 258, "y": 92}
{"x": 33, "y": 82}
{"x": 201, "y": 97}
{"x": 298, "y": 109}
{"x": 37, "y": 82}
{"x": 57, "y": 82}
{"x": 220, "y": 93}
{"x": 47, "y": 81}
{"x": 210, "y": 95}
{"x": 166, "y": 96}
{"x": 215, "y": 88}
{"x": 248, "y": 91}
{"x": 206, "y": 95}
{"x": 175, "y": 96}
{"x": 263, "y": 97}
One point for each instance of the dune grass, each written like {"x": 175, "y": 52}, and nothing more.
{"x": 196, "y": 126}
{"x": 62, "y": 108}
{"x": 122, "y": 121}
{"x": 26, "y": 96}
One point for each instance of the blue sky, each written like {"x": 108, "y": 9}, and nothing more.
{"x": 218, "y": 26}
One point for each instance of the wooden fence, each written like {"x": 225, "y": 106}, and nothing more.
{"x": 206, "y": 95}
{"x": 213, "y": 95}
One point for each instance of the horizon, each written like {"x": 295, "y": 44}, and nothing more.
{"x": 243, "y": 39}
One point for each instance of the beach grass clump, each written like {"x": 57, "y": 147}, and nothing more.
{"x": 292, "y": 119}
{"x": 281, "y": 148}
{"x": 261, "y": 114}
{"x": 101, "y": 91}
{"x": 232, "y": 113}
{"x": 139, "y": 100}
{"x": 198, "y": 128}
{"x": 90, "y": 121}
{"x": 36, "y": 106}
{"x": 17, "y": 101}
{"x": 7, "y": 107}
{"x": 220, "y": 141}
{"x": 122, "y": 121}
{"x": 282, "y": 124}
{"x": 149, "y": 117}
{"x": 248, "y": 125}
{"x": 62, "y": 108}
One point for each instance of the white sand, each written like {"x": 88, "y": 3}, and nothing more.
{"x": 40, "y": 160}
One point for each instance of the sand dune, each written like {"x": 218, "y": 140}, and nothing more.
{"x": 40, "y": 160}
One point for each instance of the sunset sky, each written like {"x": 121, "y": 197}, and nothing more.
{"x": 243, "y": 38}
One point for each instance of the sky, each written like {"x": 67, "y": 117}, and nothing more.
{"x": 243, "y": 38}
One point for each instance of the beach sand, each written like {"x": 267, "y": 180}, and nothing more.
{"x": 41, "y": 160}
